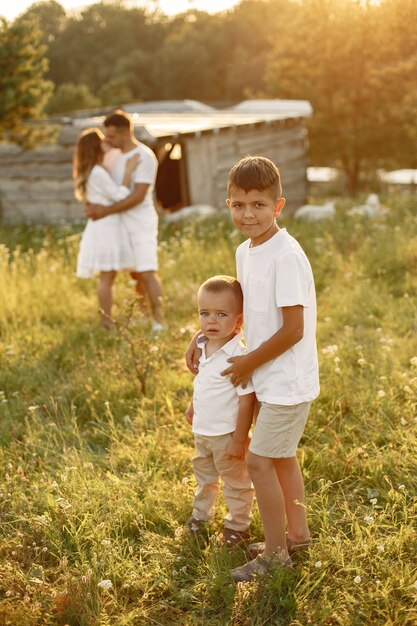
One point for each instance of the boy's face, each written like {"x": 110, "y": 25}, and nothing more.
{"x": 220, "y": 318}
{"x": 254, "y": 213}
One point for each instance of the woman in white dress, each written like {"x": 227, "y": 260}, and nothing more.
{"x": 105, "y": 246}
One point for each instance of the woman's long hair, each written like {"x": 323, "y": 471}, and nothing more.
{"x": 87, "y": 154}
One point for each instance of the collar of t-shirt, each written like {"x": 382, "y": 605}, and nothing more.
{"x": 229, "y": 347}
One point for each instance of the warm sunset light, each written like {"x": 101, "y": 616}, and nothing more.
{"x": 10, "y": 10}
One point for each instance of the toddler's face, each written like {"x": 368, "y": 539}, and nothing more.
{"x": 219, "y": 316}
{"x": 254, "y": 213}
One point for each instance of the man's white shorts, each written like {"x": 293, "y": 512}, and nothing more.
{"x": 278, "y": 429}
{"x": 143, "y": 235}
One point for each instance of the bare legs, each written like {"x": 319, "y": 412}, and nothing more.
{"x": 278, "y": 486}
{"x": 148, "y": 283}
{"x": 292, "y": 485}
{"x": 104, "y": 292}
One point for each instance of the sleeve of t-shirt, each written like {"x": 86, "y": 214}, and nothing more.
{"x": 146, "y": 170}
{"x": 293, "y": 281}
{"x": 105, "y": 184}
{"x": 244, "y": 392}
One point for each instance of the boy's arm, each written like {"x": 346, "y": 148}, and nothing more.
{"x": 237, "y": 446}
{"x": 192, "y": 354}
{"x": 97, "y": 211}
{"x": 288, "y": 335}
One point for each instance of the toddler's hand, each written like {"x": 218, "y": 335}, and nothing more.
{"x": 236, "y": 450}
{"x": 189, "y": 413}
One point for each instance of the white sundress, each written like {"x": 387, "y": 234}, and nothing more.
{"x": 105, "y": 244}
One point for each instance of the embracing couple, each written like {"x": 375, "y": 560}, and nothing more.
{"x": 114, "y": 175}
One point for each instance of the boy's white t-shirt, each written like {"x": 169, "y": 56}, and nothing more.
{"x": 144, "y": 173}
{"x": 273, "y": 275}
{"x": 215, "y": 399}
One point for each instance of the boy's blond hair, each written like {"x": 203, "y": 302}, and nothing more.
{"x": 255, "y": 172}
{"x": 217, "y": 284}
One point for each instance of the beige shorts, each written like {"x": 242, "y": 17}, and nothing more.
{"x": 278, "y": 429}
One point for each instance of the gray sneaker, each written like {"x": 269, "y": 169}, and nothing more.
{"x": 259, "y": 566}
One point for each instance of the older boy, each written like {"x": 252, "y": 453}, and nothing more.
{"x": 280, "y": 326}
{"x": 138, "y": 211}
{"x": 221, "y": 413}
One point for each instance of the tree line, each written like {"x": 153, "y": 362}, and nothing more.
{"x": 354, "y": 60}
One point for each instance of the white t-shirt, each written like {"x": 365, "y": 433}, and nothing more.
{"x": 275, "y": 274}
{"x": 144, "y": 173}
{"x": 215, "y": 399}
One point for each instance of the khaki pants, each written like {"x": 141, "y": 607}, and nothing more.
{"x": 210, "y": 464}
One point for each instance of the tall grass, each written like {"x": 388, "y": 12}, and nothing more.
{"x": 95, "y": 456}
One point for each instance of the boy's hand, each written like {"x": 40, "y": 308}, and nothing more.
{"x": 236, "y": 450}
{"x": 192, "y": 357}
{"x": 189, "y": 413}
{"x": 241, "y": 370}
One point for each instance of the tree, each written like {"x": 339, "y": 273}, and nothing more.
{"x": 336, "y": 53}
{"x": 23, "y": 89}
{"x": 69, "y": 97}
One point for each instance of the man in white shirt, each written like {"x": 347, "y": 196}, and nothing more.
{"x": 138, "y": 211}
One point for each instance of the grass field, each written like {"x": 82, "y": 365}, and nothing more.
{"x": 96, "y": 481}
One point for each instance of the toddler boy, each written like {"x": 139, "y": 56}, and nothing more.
{"x": 221, "y": 413}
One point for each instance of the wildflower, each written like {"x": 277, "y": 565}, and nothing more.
{"x": 337, "y": 370}
{"x": 153, "y": 349}
{"x": 185, "y": 480}
{"x": 105, "y": 584}
{"x": 105, "y": 542}
{"x": 381, "y": 393}
{"x": 377, "y": 581}
{"x": 401, "y": 487}
{"x": 330, "y": 349}
{"x": 403, "y": 421}
{"x": 381, "y": 548}
{"x": 368, "y": 519}
{"x": 413, "y": 361}
{"x": 361, "y": 362}
{"x": 33, "y": 407}
{"x": 318, "y": 564}
{"x": 373, "y": 501}
{"x": 357, "y": 580}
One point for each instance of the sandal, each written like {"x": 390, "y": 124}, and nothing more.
{"x": 294, "y": 547}
{"x": 232, "y": 538}
{"x": 195, "y": 525}
{"x": 259, "y": 566}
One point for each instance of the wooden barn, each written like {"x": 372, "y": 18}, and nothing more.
{"x": 196, "y": 146}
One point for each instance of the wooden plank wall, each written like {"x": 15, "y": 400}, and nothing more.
{"x": 210, "y": 157}
{"x": 36, "y": 185}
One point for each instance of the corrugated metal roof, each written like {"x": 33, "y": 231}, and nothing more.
{"x": 160, "y": 125}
